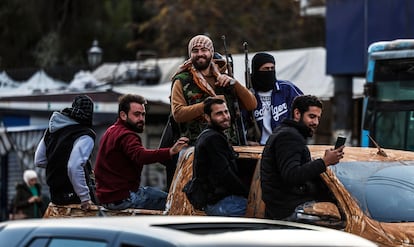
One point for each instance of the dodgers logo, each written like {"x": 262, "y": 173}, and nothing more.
{"x": 277, "y": 111}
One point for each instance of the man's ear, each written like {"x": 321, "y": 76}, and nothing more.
{"x": 207, "y": 118}
{"x": 123, "y": 115}
{"x": 296, "y": 114}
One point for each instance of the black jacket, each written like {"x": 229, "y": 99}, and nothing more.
{"x": 23, "y": 194}
{"x": 289, "y": 177}
{"x": 215, "y": 163}
{"x": 59, "y": 146}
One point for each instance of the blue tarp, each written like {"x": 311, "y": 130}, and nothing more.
{"x": 352, "y": 25}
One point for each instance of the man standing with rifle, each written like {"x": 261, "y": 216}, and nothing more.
{"x": 274, "y": 97}
{"x": 202, "y": 76}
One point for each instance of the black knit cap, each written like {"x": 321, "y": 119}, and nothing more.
{"x": 261, "y": 58}
{"x": 81, "y": 111}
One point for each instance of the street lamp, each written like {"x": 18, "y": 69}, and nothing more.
{"x": 94, "y": 54}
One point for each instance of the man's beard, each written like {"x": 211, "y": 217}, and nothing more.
{"x": 201, "y": 66}
{"x": 311, "y": 131}
{"x": 216, "y": 125}
{"x": 134, "y": 127}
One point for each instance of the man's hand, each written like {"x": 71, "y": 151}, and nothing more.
{"x": 86, "y": 205}
{"x": 333, "y": 156}
{"x": 224, "y": 80}
{"x": 179, "y": 145}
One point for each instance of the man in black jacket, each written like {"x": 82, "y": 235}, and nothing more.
{"x": 215, "y": 162}
{"x": 65, "y": 151}
{"x": 289, "y": 177}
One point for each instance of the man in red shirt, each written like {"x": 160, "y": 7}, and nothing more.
{"x": 121, "y": 157}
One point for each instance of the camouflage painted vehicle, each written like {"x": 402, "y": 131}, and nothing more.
{"x": 373, "y": 189}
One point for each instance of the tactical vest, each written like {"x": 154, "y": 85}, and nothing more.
{"x": 193, "y": 95}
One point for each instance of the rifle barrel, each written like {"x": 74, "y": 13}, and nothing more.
{"x": 247, "y": 67}
{"x": 256, "y": 130}
{"x": 229, "y": 69}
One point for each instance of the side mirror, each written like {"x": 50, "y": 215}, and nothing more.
{"x": 319, "y": 213}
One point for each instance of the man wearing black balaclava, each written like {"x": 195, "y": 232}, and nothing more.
{"x": 274, "y": 97}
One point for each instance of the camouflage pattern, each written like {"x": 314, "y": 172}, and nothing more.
{"x": 74, "y": 210}
{"x": 193, "y": 95}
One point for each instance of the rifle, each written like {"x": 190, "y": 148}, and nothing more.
{"x": 256, "y": 130}
{"x": 229, "y": 59}
{"x": 240, "y": 130}
{"x": 247, "y": 67}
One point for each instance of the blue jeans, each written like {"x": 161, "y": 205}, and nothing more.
{"x": 146, "y": 197}
{"x": 228, "y": 206}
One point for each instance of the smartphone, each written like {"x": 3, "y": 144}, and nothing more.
{"x": 340, "y": 141}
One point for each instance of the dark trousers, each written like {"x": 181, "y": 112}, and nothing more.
{"x": 64, "y": 198}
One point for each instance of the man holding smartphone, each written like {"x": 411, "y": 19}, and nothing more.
{"x": 289, "y": 176}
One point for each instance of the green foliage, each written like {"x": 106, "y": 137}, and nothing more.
{"x": 46, "y": 51}
{"x": 265, "y": 24}
{"x": 59, "y": 32}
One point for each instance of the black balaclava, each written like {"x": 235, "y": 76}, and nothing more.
{"x": 262, "y": 80}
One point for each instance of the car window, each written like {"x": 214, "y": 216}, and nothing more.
{"x": 64, "y": 242}
{"x": 390, "y": 194}
{"x": 383, "y": 190}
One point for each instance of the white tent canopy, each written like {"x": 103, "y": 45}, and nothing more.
{"x": 304, "y": 67}
{"x": 82, "y": 80}
{"x": 41, "y": 82}
{"x": 6, "y": 82}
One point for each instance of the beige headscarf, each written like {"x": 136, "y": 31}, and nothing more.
{"x": 202, "y": 41}
{"x": 200, "y": 81}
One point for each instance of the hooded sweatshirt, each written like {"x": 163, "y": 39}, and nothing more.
{"x": 77, "y": 156}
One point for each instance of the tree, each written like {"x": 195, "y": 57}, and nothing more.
{"x": 266, "y": 25}
{"x": 46, "y": 33}
{"x": 59, "y": 32}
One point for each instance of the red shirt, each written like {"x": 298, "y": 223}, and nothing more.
{"x": 119, "y": 162}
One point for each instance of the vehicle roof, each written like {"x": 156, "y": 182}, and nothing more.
{"x": 351, "y": 153}
{"x": 198, "y": 230}
{"x": 365, "y": 154}
{"x": 392, "y": 45}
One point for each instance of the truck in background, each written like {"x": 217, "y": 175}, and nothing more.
{"x": 388, "y": 108}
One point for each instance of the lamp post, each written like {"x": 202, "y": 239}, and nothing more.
{"x": 94, "y": 55}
